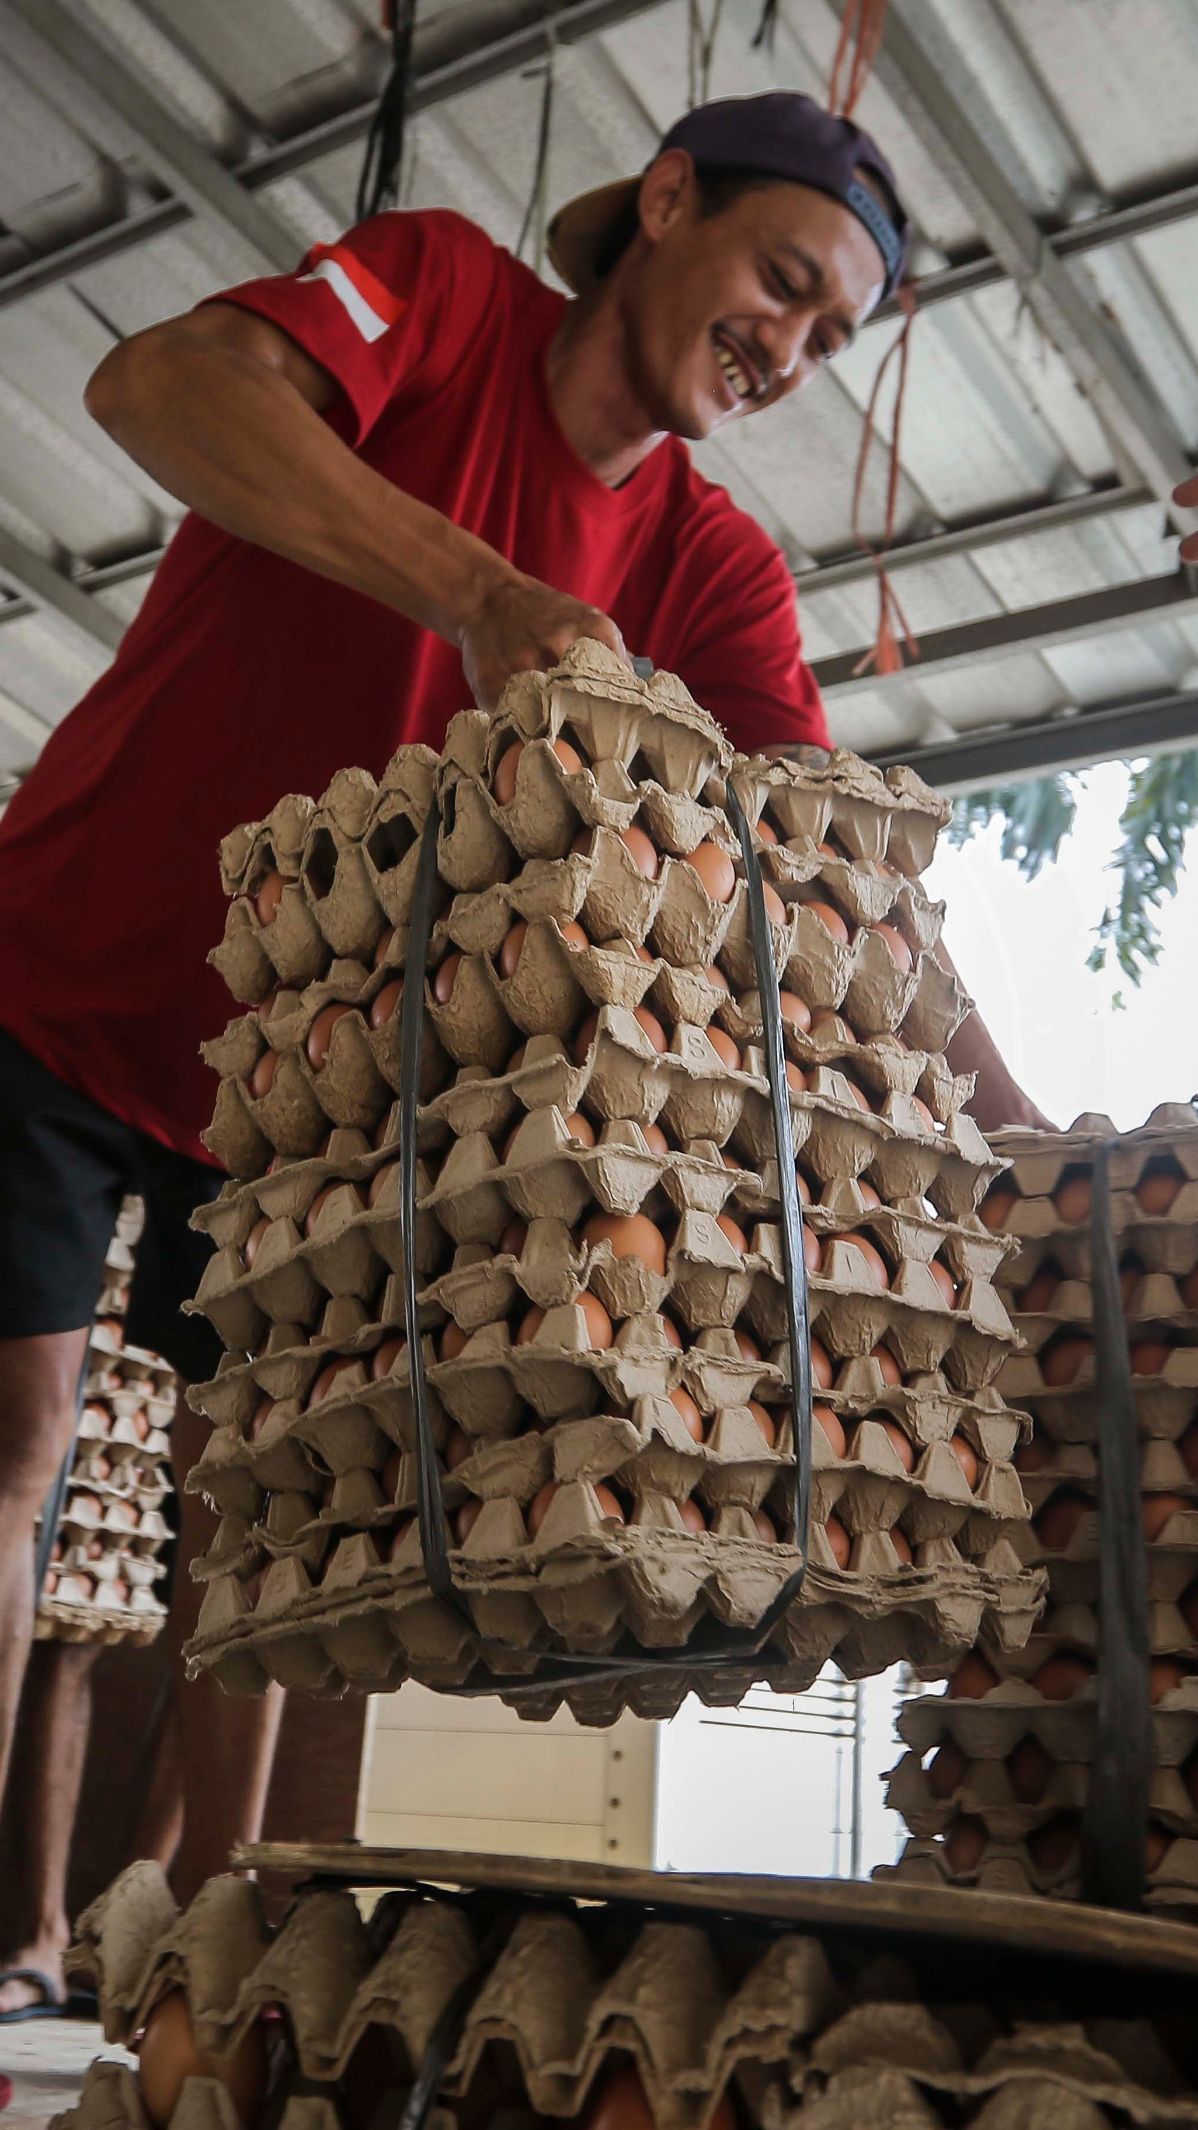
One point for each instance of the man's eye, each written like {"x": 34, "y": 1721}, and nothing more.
{"x": 782, "y": 286}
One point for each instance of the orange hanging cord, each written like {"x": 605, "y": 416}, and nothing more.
{"x": 861, "y": 28}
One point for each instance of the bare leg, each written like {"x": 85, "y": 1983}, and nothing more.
{"x": 160, "y": 1821}
{"x": 47, "y": 1773}
{"x": 226, "y": 1742}
{"x": 39, "y": 1379}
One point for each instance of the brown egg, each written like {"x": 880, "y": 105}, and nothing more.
{"x": 859, "y": 1096}
{"x": 966, "y": 1457}
{"x": 1157, "y": 1189}
{"x": 892, "y": 1374}
{"x": 1189, "y": 1289}
{"x": 795, "y": 1010}
{"x": 321, "y": 1032}
{"x": 899, "y": 950}
{"x": 693, "y": 1517}
{"x": 618, "y": 2102}
{"x": 600, "y": 1329}
{"x": 965, "y": 1842}
{"x": 655, "y": 1139}
{"x": 445, "y": 978}
{"x": 642, "y": 851}
{"x": 326, "y": 1381}
{"x": 775, "y": 908}
{"x": 168, "y": 2055}
{"x": 688, "y": 1412}
{"x": 831, "y": 920}
{"x": 765, "y": 1527}
{"x": 923, "y": 1113}
{"x": 1158, "y": 1510}
{"x": 901, "y": 1442}
{"x": 765, "y": 831}
{"x": 671, "y": 1333}
{"x": 945, "y": 1281}
{"x": 839, "y": 1540}
{"x": 1157, "y": 1846}
{"x": 101, "y": 1465}
{"x": 802, "y": 1187}
{"x": 1039, "y": 1292}
{"x": 829, "y": 1421}
{"x": 580, "y": 1128}
{"x": 822, "y": 1372}
{"x": 509, "y": 762}
{"x": 1052, "y": 1848}
{"x": 652, "y": 1027}
{"x": 973, "y": 1678}
{"x": 796, "y": 1078}
{"x": 1033, "y": 1456}
{"x": 249, "y": 1249}
{"x": 385, "y": 1003}
{"x": 946, "y": 1768}
{"x": 385, "y": 948}
{"x": 813, "y": 1251}
{"x": 513, "y": 1239}
{"x": 628, "y": 1235}
{"x": 902, "y": 1546}
{"x": 465, "y": 1519}
{"x": 716, "y": 977}
{"x": 268, "y": 898}
{"x": 452, "y": 1341}
{"x": 735, "y": 1234}
{"x": 715, "y": 870}
{"x": 764, "y": 1421}
{"x": 385, "y": 1357}
{"x": 1058, "y": 1519}
{"x": 1165, "y": 1675}
{"x": 1063, "y": 1361}
{"x": 1072, "y": 1197}
{"x": 869, "y": 1197}
{"x": 1062, "y": 1676}
{"x": 609, "y": 1505}
{"x": 724, "y": 1048}
{"x": 1149, "y": 1356}
{"x": 510, "y": 951}
{"x": 262, "y": 1078}
{"x": 997, "y": 1206}
{"x": 1031, "y": 1770}
{"x": 261, "y": 1414}
{"x": 875, "y": 1263}
{"x": 378, "y": 1182}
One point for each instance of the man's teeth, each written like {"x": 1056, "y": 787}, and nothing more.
{"x": 740, "y": 382}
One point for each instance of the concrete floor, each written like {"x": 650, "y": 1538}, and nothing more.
{"x": 46, "y": 2060}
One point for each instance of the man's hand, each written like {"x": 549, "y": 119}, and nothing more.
{"x": 999, "y": 1103}
{"x": 523, "y": 626}
{"x": 1185, "y": 495}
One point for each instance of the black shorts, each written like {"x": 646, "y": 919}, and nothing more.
{"x": 65, "y": 1165}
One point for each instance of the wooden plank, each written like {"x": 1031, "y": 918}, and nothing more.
{"x": 886, "y": 1907}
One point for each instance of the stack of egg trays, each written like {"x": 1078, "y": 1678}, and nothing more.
{"x": 317, "y": 1575}
{"x": 104, "y": 1562}
{"x": 795, "y": 2033}
{"x": 1156, "y": 1252}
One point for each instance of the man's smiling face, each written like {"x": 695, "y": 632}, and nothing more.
{"x": 730, "y": 311}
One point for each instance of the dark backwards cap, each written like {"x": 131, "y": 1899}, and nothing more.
{"x": 781, "y": 135}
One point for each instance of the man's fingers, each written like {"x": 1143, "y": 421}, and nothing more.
{"x": 1186, "y": 494}
{"x": 1189, "y": 548}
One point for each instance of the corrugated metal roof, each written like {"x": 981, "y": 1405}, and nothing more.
{"x": 1085, "y": 106}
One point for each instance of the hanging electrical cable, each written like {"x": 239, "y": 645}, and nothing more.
{"x": 378, "y": 185}
{"x": 535, "y": 212}
{"x": 701, "y": 39}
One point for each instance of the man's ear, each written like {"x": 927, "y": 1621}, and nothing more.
{"x": 667, "y": 192}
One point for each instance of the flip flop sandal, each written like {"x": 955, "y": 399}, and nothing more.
{"x": 79, "y": 2005}
{"x": 5, "y": 2089}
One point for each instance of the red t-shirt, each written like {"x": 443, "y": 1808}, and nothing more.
{"x": 245, "y": 676}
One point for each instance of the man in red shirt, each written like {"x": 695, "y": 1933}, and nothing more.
{"x": 412, "y": 470}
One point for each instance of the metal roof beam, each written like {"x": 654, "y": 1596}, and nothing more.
{"x": 1166, "y": 724}
{"x": 1082, "y": 619}
{"x": 175, "y": 156}
{"x": 969, "y": 539}
{"x": 1123, "y": 401}
{"x": 45, "y": 588}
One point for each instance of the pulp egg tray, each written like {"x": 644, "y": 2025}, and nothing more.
{"x": 985, "y": 1791}
{"x": 1006, "y": 1866}
{"x": 1039, "y": 1160}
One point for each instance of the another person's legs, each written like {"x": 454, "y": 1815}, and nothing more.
{"x": 226, "y": 1743}
{"x": 47, "y": 1774}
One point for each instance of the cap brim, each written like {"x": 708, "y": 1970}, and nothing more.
{"x": 576, "y": 235}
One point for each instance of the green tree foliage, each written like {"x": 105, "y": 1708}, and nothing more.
{"x": 1159, "y": 811}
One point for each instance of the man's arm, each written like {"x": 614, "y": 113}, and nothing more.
{"x": 998, "y": 1099}
{"x": 225, "y": 411}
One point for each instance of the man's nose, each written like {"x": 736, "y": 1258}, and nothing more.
{"x": 785, "y": 343}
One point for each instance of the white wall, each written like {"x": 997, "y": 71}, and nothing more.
{"x": 443, "y": 1773}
